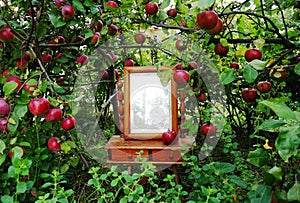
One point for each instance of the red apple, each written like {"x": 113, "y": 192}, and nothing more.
{"x": 151, "y": 8}
{"x": 172, "y": 12}
{"x": 280, "y": 75}
{"x": 111, "y": 4}
{"x": 6, "y": 72}
{"x": 4, "y": 124}
{"x": 60, "y": 39}
{"x": 68, "y": 12}
{"x": 30, "y": 88}
{"x": 27, "y": 56}
{"x": 6, "y": 34}
{"x": 234, "y": 65}
{"x": 4, "y": 107}
{"x": 192, "y": 65}
{"x": 21, "y": 63}
{"x": 129, "y": 62}
{"x": 178, "y": 66}
{"x": 180, "y": 45}
{"x": 264, "y": 86}
{"x": 220, "y": 50}
{"x": 82, "y": 59}
{"x": 252, "y": 54}
{"x": 217, "y": 29}
{"x": 139, "y": 38}
{"x": 58, "y": 56}
{"x": 68, "y": 123}
{"x": 208, "y": 129}
{"x": 46, "y": 57}
{"x": 39, "y": 106}
{"x": 207, "y": 19}
{"x": 80, "y": 38}
{"x": 249, "y": 95}
{"x": 60, "y": 3}
{"x": 53, "y": 114}
{"x": 53, "y": 144}
{"x": 104, "y": 74}
{"x": 95, "y": 37}
{"x": 168, "y": 137}
{"x": 15, "y": 79}
{"x": 98, "y": 26}
{"x": 112, "y": 29}
{"x": 181, "y": 77}
{"x": 201, "y": 97}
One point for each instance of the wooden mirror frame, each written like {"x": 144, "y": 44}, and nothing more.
{"x": 146, "y": 133}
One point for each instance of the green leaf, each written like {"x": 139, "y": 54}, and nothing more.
{"x": 164, "y": 4}
{"x": 287, "y": 142}
{"x": 165, "y": 76}
{"x": 2, "y": 146}
{"x": 250, "y": 74}
{"x": 271, "y": 124}
{"x": 17, "y": 152}
{"x": 276, "y": 172}
{"x": 227, "y": 76}
{"x": 7, "y": 199}
{"x": 123, "y": 200}
{"x": 13, "y": 123}
{"x": 41, "y": 29}
{"x": 21, "y": 187}
{"x": 32, "y": 82}
{"x": 223, "y": 167}
{"x": 224, "y": 42}
{"x": 280, "y": 109}
{"x": 294, "y": 192}
{"x": 88, "y": 3}
{"x": 64, "y": 168}
{"x": 258, "y": 64}
{"x": 263, "y": 194}
{"x": 114, "y": 182}
{"x": 78, "y": 5}
{"x": 2, "y": 158}
{"x": 236, "y": 180}
{"x": 139, "y": 189}
{"x": 94, "y": 10}
{"x": 259, "y": 43}
{"x": 203, "y": 4}
{"x": 9, "y": 87}
{"x": 56, "y": 21}
{"x": 47, "y": 185}
{"x": 65, "y": 147}
{"x": 297, "y": 69}
{"x": 258, "y": 157}
{"x": 20, "y": 110}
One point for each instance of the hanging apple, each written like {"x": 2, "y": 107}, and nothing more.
{"x": 39, "y": 106}
{"x": 264, "y": 86}
{"x": 252, "y": 54}
{"x": 208, "y": 129}
{"x": 4, "y": 107}
{"x": 151, "y": 8}
{"x": 221, "y": 50}
{"x": 139, "y": 38}
{"x": 53, "y": 144}
{"x": 168, "y": 137}
{"x": 181, "y": 77}
{"x": 172, "y": 12}
{"x": 53, "y": 114}
{"x": 207, "y": 19}
{"x": 249, "y": 95}
{"x": 68, "y": 12}
{"x": 68, "y": 123}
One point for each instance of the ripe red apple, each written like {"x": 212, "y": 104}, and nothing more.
{"x": 53, "y": 144}
{"x": 68, "y": 12}
{"x": 15, "y": 79}
{"x": 98, "y": 26}
{"x": 30, "y": 88}
{"x": 207, "y": 19}
{"x": 80, "y": 38}
{"x": 264, "y": 86}
{"x": 82, "y": 59}
{"x": 54, "y": 114}
{"x": 60, "y": 3}
{"x": 217, "y": 29}
{"x": 180, "y": 45}
{"x": 280, "y": 75}
{"x": 249, "y": 95}
{"x": 46, "y": 57}
{"x": 21, "y": 63}
{"x": 201, "y": 97}
{"x": 178, "y": 66}
{"x": 60, "y": 39}
{"x": 68, "y": 123}
{"x": 252, "y": 54}
{"x": 181, "y": 77}
{"x": 172, "y": 12}
{"x": 168, "y": 137}
{"x": 111, "y": 4}
{"x": 4, "y": 124}
{"x": 6, "y": 72}
{"x": 104, "y": 74}
{"x": 234, "y": 65}
{"x": 6, "y": 34}
{"x": 95, "y": 37}
{"x": 4, "y": 107}
{"x": 129, "y": 62}
{"x": 139, "y": 38}
{"x": 220, "y": 50}
{"x": 208, "y": 129}
{"x": 192, "y": 65}
{"x": 151, "y": 8}
{"x": 112, "y": 29}
{"x": 38, "y": 106}
{"x": 27, "y": 56}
